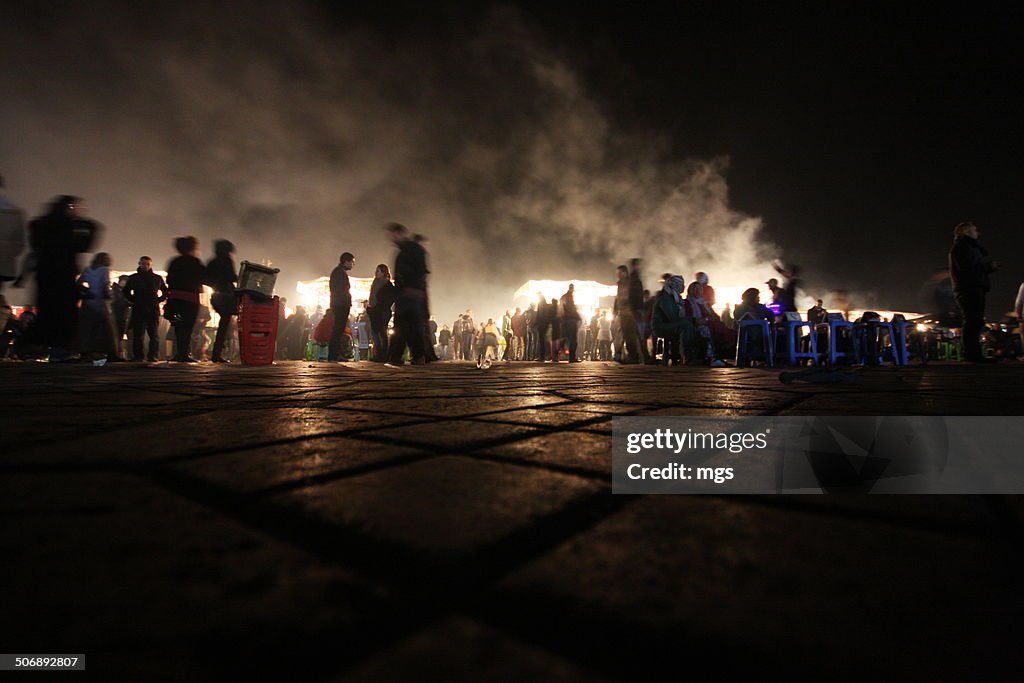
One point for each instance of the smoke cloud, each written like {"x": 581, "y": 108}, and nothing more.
{"x": 298, "y": 137}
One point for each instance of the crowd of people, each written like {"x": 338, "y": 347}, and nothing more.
{"x": 82, "y": 314}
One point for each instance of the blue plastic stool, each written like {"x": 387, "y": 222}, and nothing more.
{"x": 767, "y": 339}
{"x": 792, "y": 339}
{"x": 833, "y": 326}
{"x": 870, "y": 332}
{"x": 901, "y": 340}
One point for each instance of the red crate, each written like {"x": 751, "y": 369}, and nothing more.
{"x": 257, "y": 330}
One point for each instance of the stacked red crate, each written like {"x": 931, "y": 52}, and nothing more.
{"x": 257, "y": 330}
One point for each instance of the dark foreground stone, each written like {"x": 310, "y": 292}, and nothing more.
{"x": 362, "y": 522}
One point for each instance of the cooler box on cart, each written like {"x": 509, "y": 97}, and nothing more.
{"x": 257, "y": 329}
{"x": 258, "y": 313}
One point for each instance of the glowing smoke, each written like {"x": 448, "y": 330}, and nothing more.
{"x": 298, "y": 138}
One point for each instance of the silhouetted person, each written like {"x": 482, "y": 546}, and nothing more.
{"x": 223, "y": 278}
{"x": 56, "y": 239}
{"x": 186, "y": 276}
{"x": 468, "y": 332}
{"x": 382, "y": 298}
{"x": 145, "y": 290}
{"x": 628, "y": 303}
{"x": 119, "y": 310}
{"x": 969, "y": 268}
{"x": 410, "y": 297}
{"x": 547, "y": 319}
{"x": 571, "y": 322}
{"x": 785, "y": 296}
{"x": 12, "y": 238}
{"x": 817, "y": 314}
{"x": 341, "y": 303}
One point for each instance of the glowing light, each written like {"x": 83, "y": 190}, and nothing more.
{"x": 586, "y": 293}
{"x": 313, "y": 293}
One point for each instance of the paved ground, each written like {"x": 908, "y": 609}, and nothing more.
{"x": 361, "y": 522}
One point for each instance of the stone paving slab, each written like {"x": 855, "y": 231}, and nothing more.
{"x": 443, "y": 522}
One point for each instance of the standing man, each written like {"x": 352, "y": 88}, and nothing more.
{"x": 144, "y": 291}
{"x": 817, "y": 314}
{"x": 969, "y": 269}
{"x": 570, "y": 322}
{"x": 627, "y": 304}
{"x": 517, "y": 335}
{"x": 341, "y": 303}
{"x": 410, "y": 297}
{"x": 506, "y": 332}
{"x": 468, "y": 331}
{"x": 119, "y": 309}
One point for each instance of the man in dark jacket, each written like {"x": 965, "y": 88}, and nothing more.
{"x": 56, "y": 239}
{"x": 144, "y": 291}
{"x": 410, "y": 297}
{"x": 223, "y": 278}
{"x": 969, "y": 269}
{"x": 629, "y": 302}
{"x": 341, "y": 303}
{"x": 570, "y": 321}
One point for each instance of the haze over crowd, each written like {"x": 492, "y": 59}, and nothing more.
{"x": 298, "y": 137}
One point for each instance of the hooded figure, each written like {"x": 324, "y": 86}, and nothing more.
{"x": 669, "y": 323}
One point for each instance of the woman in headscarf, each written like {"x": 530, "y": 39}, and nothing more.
{"x": 697, "y": 308}
{"x": 670, "y": 323}
{"x": 56, "y": 239}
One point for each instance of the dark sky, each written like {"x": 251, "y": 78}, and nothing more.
{"x": 540, "y": 141}
{"x": 860, "y": 134}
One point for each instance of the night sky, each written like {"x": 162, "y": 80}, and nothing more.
{"x": 858, "y": 136}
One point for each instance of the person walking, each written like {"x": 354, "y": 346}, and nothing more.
{"x": 628, "y": 302}
{"x": 223, "y": 278}
{"x": 341, "y": 303}
{"x": 144, "y": 292}
{"x": 410, "y": 297}
{"x": 55, "y": 240}
{"x": 969, "y": 268}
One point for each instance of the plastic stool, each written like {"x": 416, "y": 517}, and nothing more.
{"x": 950, "y": 350}
{"x": 794, "y": 355}
{"x": 767, "y": 339}
{"x": 901, "y": 340}
{"x": 833, "y": 327}
{"x": 871, "y": 331}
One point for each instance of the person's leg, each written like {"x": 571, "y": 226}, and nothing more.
{"x": 571, "y": 333}
{"x": 973, "y": 306}
{"x": 222, "y": 335}
{"x": 337, "y": 331}
{"x": 152, "y": 326}
{"x": 138, "y": 327}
